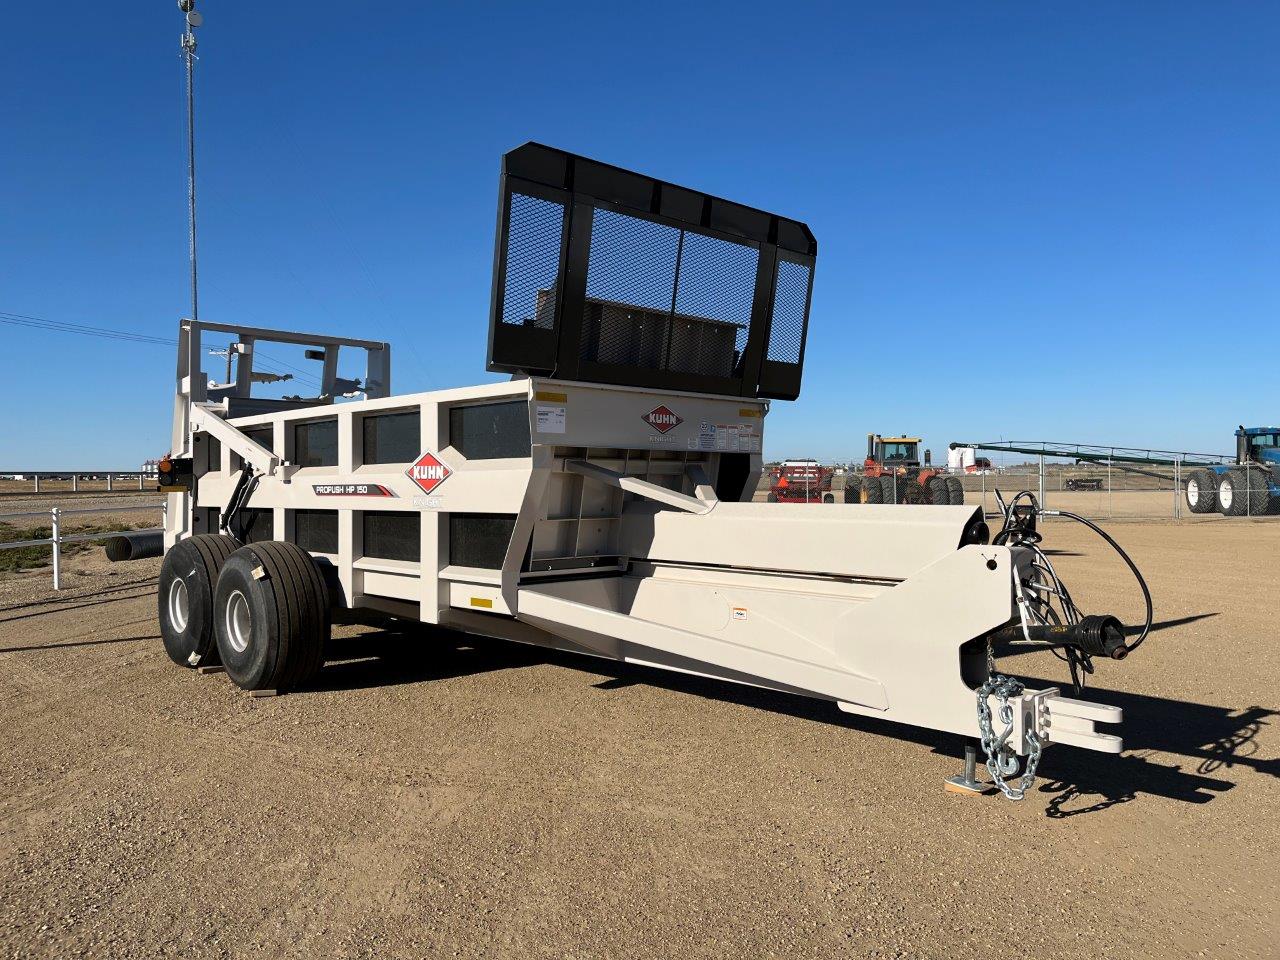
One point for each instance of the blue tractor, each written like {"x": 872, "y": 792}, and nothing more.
{"x": 1250, "y": 486}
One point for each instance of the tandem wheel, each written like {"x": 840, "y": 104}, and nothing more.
{"x": 271, "y": 616}
{"x": 188, "y": 576}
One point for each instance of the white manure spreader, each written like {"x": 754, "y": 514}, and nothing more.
{"x": 599, "y": 501}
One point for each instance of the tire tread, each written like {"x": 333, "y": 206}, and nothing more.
{"x": 1207, "y": 482}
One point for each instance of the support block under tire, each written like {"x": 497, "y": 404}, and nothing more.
{"x": 185, "y": 598}
{"x": 271, "y": 616}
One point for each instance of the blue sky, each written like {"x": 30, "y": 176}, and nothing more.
{"x": 1035, "y": 221}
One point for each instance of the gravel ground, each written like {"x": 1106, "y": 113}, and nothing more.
{"x": 440, "y": 797}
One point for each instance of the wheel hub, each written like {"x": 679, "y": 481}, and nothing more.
{"x": 179, "y": 604}
{"x": 239, "y": 622}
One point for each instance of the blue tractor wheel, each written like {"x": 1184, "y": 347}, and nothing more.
{"x": 1202, "y": 491}
{"x": 1243, "y": 492}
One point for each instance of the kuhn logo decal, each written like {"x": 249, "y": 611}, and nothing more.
{"x": 662, "y": 419}
{"x": 428, "y": 473}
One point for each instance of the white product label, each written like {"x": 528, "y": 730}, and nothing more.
{"x": 739, "y": 613}
{"x": 550, "y": 419}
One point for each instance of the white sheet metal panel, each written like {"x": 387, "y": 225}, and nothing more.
{"x": 858, "y": 540}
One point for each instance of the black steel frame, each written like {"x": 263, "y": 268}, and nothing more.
{"x": 583, "y": 185}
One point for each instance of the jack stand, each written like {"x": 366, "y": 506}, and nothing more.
{"x": 967, "y": 783}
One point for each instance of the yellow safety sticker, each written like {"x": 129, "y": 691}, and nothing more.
{"x": 482, "y": 602}
{"x": 547, "y": 396}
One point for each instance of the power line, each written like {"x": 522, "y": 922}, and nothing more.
{"x": 274, "y": 365}
{"x": 39, "y": 323}
{"x": 82, "y": 329}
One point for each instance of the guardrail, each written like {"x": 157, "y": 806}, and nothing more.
{"x": 56, "y": 539}
{"x": 75, "y": 476}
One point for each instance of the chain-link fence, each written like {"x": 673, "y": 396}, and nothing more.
{"x": 1094, "y": 491}
{"x": 1098, "y": 491}
{"x": 1115, "y": 491}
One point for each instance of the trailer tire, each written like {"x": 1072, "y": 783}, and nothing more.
{"x": 887, "y": 491}
{"x": 871, "y": 490}
{"x": 773, "y": 497}
{"x": 272, "y": 616}
{"x": 939, "y": 492}
{"x": 188, "y": 575}
{"x": 1202, "y": 491}
{"x": 828, "y": 498}
{"x": 955, "y": 491}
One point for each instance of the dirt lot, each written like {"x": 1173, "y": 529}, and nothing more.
{"x": 438, "y": 797}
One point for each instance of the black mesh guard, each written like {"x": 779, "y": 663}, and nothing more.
{"x": 604, "y": 275}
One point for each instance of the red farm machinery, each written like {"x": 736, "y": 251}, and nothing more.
{"x": 893, "y": 473}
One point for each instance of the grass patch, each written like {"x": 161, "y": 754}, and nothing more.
{"x": 26, "y": 558}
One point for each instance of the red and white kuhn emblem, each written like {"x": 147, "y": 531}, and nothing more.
{"x": 662, "y": 419}
{"x": 428, "y": 473}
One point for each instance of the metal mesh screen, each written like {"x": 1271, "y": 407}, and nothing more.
{"x": 490, "y": 431}
{"x": 316, "y": 444}
{"x": 392, "y": 437}
{"x": 533, "y": 261}
{"x": 392, "y": 535}
{"x": 480, "y": 539}
{"x": 607, "y": 276}
{"x": 790, "y": 297}
{"x": 316, "y": 531}
{"x": 663, "y": 298}
{"x": 714, "y": 291}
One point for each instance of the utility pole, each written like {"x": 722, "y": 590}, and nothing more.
{"x": 228, "y": 353}
{"x": 191, "y": 20}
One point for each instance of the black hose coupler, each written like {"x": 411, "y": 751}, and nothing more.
{"x": 1098, "y": 635}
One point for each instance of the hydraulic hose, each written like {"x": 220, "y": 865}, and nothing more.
{"x": 1075, "y": 638}
{"x": 1142, "y": 583}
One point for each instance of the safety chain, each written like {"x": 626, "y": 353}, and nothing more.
{"x": 1002, "y": 688}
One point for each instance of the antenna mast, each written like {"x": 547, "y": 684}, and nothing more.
{"x": 192, "y": 20}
